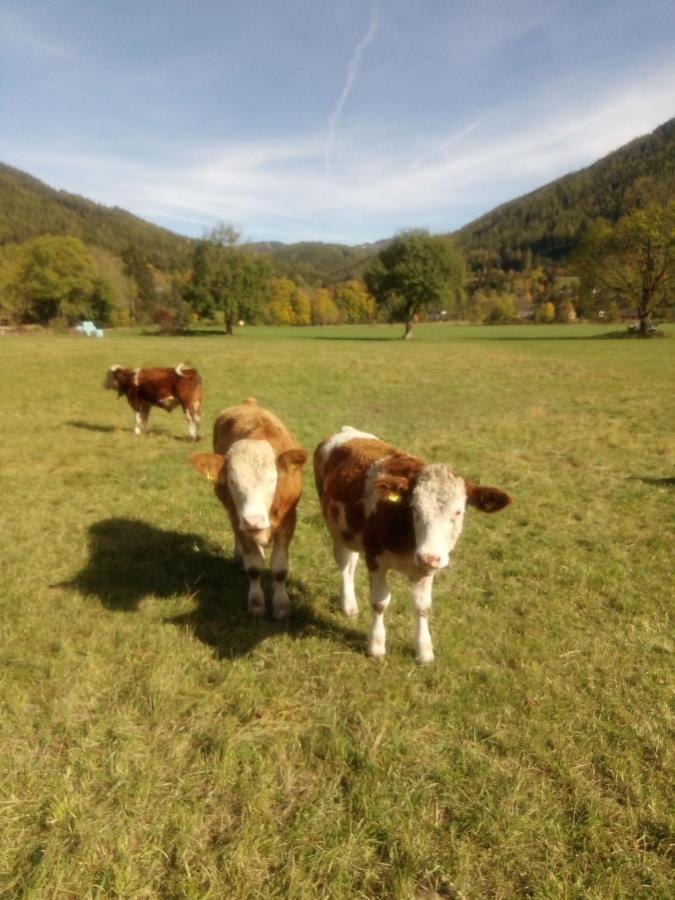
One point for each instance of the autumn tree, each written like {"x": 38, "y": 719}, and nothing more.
{"x": 415, "y": 272}
{"x": 632, "y": 263}
{"x": 354, "y": 301}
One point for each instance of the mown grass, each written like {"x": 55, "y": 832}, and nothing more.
{"x": 157, "y": 742}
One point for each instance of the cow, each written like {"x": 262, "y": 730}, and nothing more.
{"x": 401, "y": 512}
{"x": 256, "y": 466}
{"x": 163, "y": 387}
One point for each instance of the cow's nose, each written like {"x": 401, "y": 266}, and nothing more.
{"x": 254, "y": 523}
{"x": 429, "y": 560}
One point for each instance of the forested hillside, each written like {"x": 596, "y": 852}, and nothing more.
{"x": 29, "y": 208}
{"x": 547, "y": 223}
{"x": 318, "y": 263}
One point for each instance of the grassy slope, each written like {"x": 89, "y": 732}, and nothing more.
{"x": 156, "y": 742}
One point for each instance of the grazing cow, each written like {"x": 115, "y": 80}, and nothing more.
{"x": 163, "y": 387}
{"x": 256, "y": 466}
{"x": 402, "y": 512}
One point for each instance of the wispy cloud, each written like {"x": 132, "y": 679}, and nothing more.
{"x": 273, "y": 187}
{"x": 16, "y": 31}
{"x": 352, "y": 74}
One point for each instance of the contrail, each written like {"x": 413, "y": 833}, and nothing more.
{"x": 352, "y": 73}
{"x": 439, "y": 148}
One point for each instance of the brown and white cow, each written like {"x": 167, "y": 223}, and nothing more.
{"x": 163, "y": 387}
{"x": 256, "y": 466}
{"x": 401, "y": 512}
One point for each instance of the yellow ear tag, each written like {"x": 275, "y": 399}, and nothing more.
{"x": 210, "y": 476}
{"x": 394, "y": 498}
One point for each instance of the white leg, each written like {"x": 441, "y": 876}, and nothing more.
{"x": 254, "y": 559}
{"x": 421, "y": 592}
{"x": 346, "y": 560}
{"x": 142, "y": 420}
{"x": 193, "y": 423}
{"x": 380, "y": 599}
{"x": 281, "y": 605}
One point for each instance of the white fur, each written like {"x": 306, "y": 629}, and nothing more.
{"x": 438, "y": 504}
{"x": 252, "y": 481}
{"x": 346, "y": 433}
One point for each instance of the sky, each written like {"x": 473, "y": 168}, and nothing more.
{"x": 331, "y": 120}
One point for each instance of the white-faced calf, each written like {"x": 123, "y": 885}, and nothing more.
{"x": 162, "y": 387}
{"x": 256, "y": 466}
{"x": 401, "y": 512}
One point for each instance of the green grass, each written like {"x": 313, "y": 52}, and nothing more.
{"x": 156, "y": 742}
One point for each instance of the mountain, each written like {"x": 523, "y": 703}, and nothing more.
{"x": 29, "y": 208}
{"x": 549, "y": 221}
{"x": 318, "y": 263}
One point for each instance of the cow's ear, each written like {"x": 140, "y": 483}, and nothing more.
{"x": 487, "y": 499}
{"x": 390, "y": 487}
{"x": 208, "y": 464}
{"x": 290, "y": 460}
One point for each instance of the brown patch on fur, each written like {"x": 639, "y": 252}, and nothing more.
{"x": 253, "y": 573}
{"x": 356, "y": 517}
{"x": 334, "y": 512}
{"x": 344, "y": 474}
{"x": 281, "y": 575}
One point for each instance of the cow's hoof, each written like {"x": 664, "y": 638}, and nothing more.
{"x": 257, "y": 611}
{"x": 281, "y": 612}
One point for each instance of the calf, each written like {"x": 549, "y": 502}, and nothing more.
{"x": 163, "y": 387}
{"x": 256, "y": 466}
{"x": 402, "y": 512}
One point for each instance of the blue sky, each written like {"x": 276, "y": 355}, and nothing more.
{"x": 333, "y": 120}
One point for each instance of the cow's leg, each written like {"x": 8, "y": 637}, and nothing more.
{"x": 254, "y": 560}
{"x": 193, "y": 421}
{"x": 421, "y": 593}
{"x": 281, "y": 605}
{"x": 142, "y": 413}
{"x": 346, "y": 560}
{"x": 238, "y": 552}
{"x": 380, "y": 599}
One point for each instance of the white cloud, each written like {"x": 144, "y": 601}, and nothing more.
{"x": 282, "y": 184}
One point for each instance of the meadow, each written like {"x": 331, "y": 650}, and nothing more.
{"x": 156, "y": 742}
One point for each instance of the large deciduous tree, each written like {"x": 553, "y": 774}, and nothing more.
{"x": 631, "y": 264}
{"x": 226, "y": 278}
{"x": 55, "y": 278}
{"x": 417, "y": 271}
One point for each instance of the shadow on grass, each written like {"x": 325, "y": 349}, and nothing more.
{"x": 109, "y": 429}
{"x": 130, "y": 559}
{"x": 657, "y": 482}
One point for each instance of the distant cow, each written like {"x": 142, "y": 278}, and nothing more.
{"x": 403, "y": 513}
{"x": 163, "y": 387}
{"x": 256, "y": 466}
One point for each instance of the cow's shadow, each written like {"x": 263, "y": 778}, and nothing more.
{"x": 157, "y": 430}
{"x": 130, "y": 560}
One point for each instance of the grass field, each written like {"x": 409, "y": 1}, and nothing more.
{"x": 155, "y": 742}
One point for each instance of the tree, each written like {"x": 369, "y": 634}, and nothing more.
{"x": 354, "y": 301}
{"x": 631, "y": 263}
{"x": 226, "y": 278}
{"x": 414, "y": 272}
{"x": 56, "y": 278}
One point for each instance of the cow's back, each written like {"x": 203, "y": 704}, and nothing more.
{"x": 252, "y": 422}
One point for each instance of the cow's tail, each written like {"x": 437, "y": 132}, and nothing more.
{"x": 185, "y": 370}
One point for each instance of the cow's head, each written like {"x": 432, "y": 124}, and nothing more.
{"x": 438, "y": 501}
{"x": 111, "y": 382}
{"x": 251, "y": 471}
